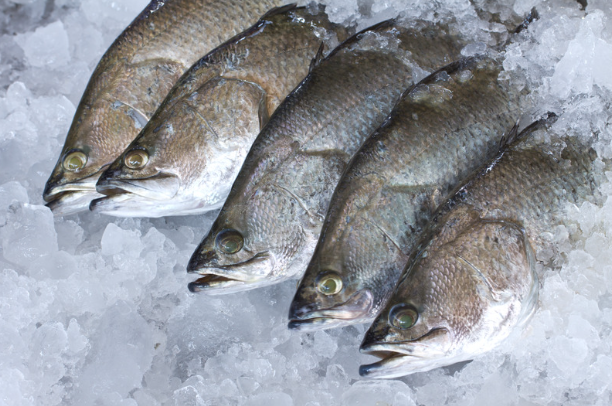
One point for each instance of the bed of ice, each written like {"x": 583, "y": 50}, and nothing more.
{"x": 95, "y": 310}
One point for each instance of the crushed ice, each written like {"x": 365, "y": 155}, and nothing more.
{"x": 95, "y": 310}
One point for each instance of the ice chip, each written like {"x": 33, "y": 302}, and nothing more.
{"x": 270, "y": 399}
{"x": 76, "y": 341}
{"x": 121, "y": 352}
{"x": 568, "y": 354}
{"x": 52, "y": 116}
{"x": 46, "y": 47}
{"x": 59, "y": 265}
{"x": 474, "y": 49}
{"x": 365, "y": 393}
{"x": 49, "y": 340}
{"x": 584, "y": 64}
{"x": 247, "y": 385}
{"x": 17, "y": 95}
{"x": 116, "y": 240}
{"x": 10, "y": 193}
{"x": 29, "y": 234}
{"x": 324, "y": 345}
{"x": 99, "y": 11}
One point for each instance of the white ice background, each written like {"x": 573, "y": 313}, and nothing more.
{"x": 95, "y": 310}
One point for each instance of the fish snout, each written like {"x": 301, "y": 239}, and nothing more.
{"x": 56, "y": 181}
{"x": 301, "y": 317}
{"x": 104, "y": 184}
{"x": 107, "y": 174}
{"x": 48, "y": 193}
{"x": 309, "y": 315}
{"x": 298, "y": 310}
{"x": 201, "y": 259}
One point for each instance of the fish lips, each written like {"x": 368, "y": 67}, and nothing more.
{"x": 72, "y": 197}
{"x": 161, "y": 186}
{"x": 407, "y": 357}
{"x": 354, "y": 310}
{"x": 223, "y": 279}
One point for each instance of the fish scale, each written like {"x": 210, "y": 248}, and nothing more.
{"x": 288, "y": 177}
{"x": 441, "y": 131}
{"x": 473, "y": 277}
{"x": 138, "y": 70}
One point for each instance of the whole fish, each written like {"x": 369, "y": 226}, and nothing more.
{"x": 130, "y": 82}
{"x": 269, "y": 225}
{"x": 439, "y": 133}
{"x": 190, "y": 152}
{"x": 473, "y": 280}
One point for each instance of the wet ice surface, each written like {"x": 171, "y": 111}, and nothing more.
{"x": 95, "y": 310}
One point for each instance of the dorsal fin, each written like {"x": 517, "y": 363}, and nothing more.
{"x": 515, "y": 135}
{"x": 449, "y": 69}
{"x": 317, "y": 58}
{"x": 356, "y": 37}
{"x": 278, "y": 10}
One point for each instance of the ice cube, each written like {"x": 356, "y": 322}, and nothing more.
{"x": 366, "y": 393}
{"x": 29, "y": 234}
{"x": 47, "y": 46}
{"x": 121, "y": 352}
{"x": 116, "y": 240}
{"x": 270, "y": 399}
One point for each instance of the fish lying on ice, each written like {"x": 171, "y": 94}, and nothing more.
{"x": 130, "y": 82}
{"x": 269, "y": 225}
{"x": 186, "y": 158}
{"x": 473, "y": 281}
{"x": 439, "y": 133}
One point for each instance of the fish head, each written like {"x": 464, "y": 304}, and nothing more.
{"x": 255, "y": 241}
{"x": 457, "y": 300}
{"x": 146, "y": 177}
{"x": 99, "y": 132}
{"x": 184, "y": 160}
{"x": 351, "y": 274}
{"x": 329, "y": 298}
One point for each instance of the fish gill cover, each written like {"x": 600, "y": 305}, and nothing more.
{"x": 94, "y": 310}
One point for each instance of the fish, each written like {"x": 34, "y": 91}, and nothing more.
{"x": 131, "y": 80}
{"x": 190, "y": 151}
{"x": 444, "y": 128}
{"x": 268, "y": 227}
{"x": 472, "y": 281}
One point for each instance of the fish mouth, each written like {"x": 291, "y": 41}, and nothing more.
{"x": 161, "y": 186}
{"x": 406, "y": 357}
{"x": 72, "y": 197}
{"x": 221, "y": 279}
{"x": 354, "y": 310}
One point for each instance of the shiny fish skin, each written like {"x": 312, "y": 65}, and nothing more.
{"x": 473, "y": 281}
{"x": 197, "y": 140}
{"x": 281, "y": 195}
{"x": 131, "y": 80}
{"x": 441, "y": 131}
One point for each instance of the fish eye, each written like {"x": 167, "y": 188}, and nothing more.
{"x": 136, "y": 158}
{"x": 229, "y": 241}
{"x": 403, "y": 316}
{"x": 75, "y": 161}
{"x": 329, "y": 283}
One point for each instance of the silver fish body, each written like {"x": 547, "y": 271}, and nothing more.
{"x": 441, "y": 131}
{"x": 130, "y": 82}
{"x": 269, "y": 225}
{"x": 473, "y": 280}
{"x": 195, "y": 143}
